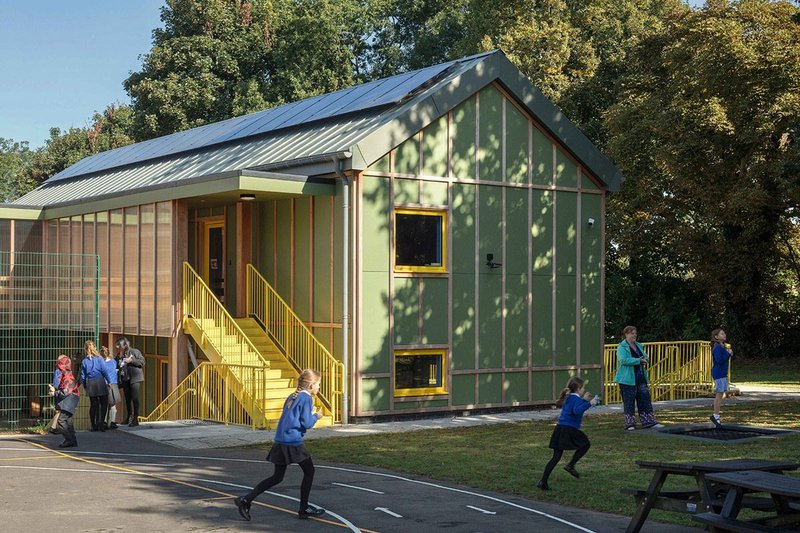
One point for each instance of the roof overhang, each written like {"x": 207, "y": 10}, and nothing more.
{"x": 20, "y": 212}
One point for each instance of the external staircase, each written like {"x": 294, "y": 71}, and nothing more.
{"x": 251, "y": 370}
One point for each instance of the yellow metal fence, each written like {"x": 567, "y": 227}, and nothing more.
{"x": 292, "y": 336}
{"x": 220, "y": 393}
{"x": 678, "y": 370}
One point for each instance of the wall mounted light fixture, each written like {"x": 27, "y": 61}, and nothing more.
{"x": 247, "y": 197}
{"x": 590, "y": 221}
{"x": 490, "y": 261}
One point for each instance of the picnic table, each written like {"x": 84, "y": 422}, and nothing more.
{"x": 784, "y": 491}
{"x": 704, "y": 496}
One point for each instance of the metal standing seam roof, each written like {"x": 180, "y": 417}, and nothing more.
{"x": 361, "y": 118}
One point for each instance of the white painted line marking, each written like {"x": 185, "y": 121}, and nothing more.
{"x": 358, "y": 488}
{"x": 387, "y": 511}
{"x": 484, "y": 511}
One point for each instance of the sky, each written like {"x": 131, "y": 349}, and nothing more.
{"x": 62, "y": 60}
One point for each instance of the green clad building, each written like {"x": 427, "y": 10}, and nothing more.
{"x": 440, "y": 233}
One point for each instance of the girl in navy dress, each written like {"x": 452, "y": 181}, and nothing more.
{"x": 299, "y": 415}
{"x": 567, "y": 435}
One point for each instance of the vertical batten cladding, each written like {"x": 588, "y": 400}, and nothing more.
{"x": 134, "y": 246}
{"x": 512, "y": 334}
{"x": 298, "y": 251}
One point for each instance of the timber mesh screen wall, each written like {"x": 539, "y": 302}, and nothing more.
{"x": 48, "y": 307}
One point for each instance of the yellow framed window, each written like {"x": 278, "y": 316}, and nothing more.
{"x": 419, "y": 372}
{"x": 420, "y": 243}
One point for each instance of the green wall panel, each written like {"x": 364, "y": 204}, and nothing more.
{"x": 406, "y": 191}
{"x": 463, "y": 321}
{"x": 381, "y": 165}
{"x": 435, "y": 299}
{"x": 463, "y": 228}
{"x": 375, "y": 394}
{"x": 491, "y": 227}
{"x": 516, "y": 387}
{"x": 434, "y": 148}
{"x": 376, "y": 219}
{"x": 324, "y": 335}
{"x": 566, "y": 171}
{"x": 375, "y": 336}
{"x": 422, "y": 404}
{"x": 542, "y": 232}
{"x": 542, "y": 320}
{"x": 591, "y": 244}
{"x": 490, "y": 135}
{"x": 406, "y": 156}
{"x": 406, "y": 311}
{"x": 516, "y": 145}
{"x": 491, "y": 314}
{"x": 562, "y": 377}
{"x": 542, "y": 386}
{"x": 516, "y": 232}
{"x": 266, "y": 248}
{"x": 542, "y": 159}
{"x": 566, "y": 232}
{"x": 463, "y": 389}
{"x": 302, "y": 258}
{"x": 283, "y": 282}
{"x": 517, "y": 321}
{"x": 591, "y": 333}
{"x": 463, "y": 134}
{"x": 323, "y": 227}
{"x": 591, "y": 381}
{"x": 587, "y": 183}
{"x": 566, "y": 294}
{"x": 490, "y": 388}
{"x": 434, "y": 193}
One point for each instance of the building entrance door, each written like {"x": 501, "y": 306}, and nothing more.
{"x": 213, "y": 269}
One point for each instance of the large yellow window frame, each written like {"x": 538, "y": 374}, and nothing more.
{"x": 440, "y": 269}
{"x": 433, "y": 376}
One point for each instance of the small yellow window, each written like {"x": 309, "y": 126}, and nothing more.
{"x": 419, "y": 372}
{"x": 419, "y": 240}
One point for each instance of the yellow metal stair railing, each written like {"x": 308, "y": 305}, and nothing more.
{"x": 296, "y": 341}
{"x": 215, "y": 392}
{"x": 678, "y": 370}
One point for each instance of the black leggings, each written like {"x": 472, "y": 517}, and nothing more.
{"x": 132, "y": 400}
{"x": 557, "y": 454}
{"x": 98, "y": 410}
{"x": 280, "y": 470}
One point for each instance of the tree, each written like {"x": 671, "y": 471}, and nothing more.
{"x": 706, "y": 129}
{"x": 14, "y": 160}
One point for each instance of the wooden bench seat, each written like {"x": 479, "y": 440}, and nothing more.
{"x": 720, "y": 523}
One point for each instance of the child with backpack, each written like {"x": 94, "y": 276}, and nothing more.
{"x": 66, "y": 393}
{"x": 567, "y": 435}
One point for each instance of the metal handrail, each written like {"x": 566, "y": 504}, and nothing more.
{"x": 294, "y": 338}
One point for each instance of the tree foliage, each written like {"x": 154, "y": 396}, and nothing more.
{"x": 706, "y": 129}
{"x": 15, "y": 158}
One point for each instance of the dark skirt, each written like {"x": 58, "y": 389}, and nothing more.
{"x": 113, "y": 394}
{"x": 282, "y": 454}
{"x": 96, "y": 387}
{"x": 568, "y": 438}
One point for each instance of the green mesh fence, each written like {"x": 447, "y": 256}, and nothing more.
{"x": 48, "y": 306}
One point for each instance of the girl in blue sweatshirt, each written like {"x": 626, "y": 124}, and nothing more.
{"x": 567, "y": 435}
{"x": 299, "y": 415}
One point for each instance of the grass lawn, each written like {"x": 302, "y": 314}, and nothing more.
{"x": 766, "y": 371}
{"x": 509, "y": 458}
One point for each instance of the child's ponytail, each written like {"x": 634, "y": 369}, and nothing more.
{"x": 561, "y": 397}
{"x": 307, "y": 377}
{"x": 573, "y": 385}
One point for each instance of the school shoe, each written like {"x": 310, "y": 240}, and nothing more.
{"x": 244, "y": 507}
{"x": 715, "y": 419}
{"x": 310, "y": 511}
{"x": 543, "y": 485}
{"x": 113, "y": 425}
{"x": 572, "y": 471}
{"x": 67, "y": 444}
{"x": 133, "y": 424}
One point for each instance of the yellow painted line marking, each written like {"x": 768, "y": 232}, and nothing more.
{"x": 222, "y": 495}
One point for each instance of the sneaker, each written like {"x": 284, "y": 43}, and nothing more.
{"x": 630, "y": 428}
{"x": 543, "y": 485}
{"x": 310, "y": 511}
{"x": 572, "y": 471}
{"x": 716, "y": 420}
{"x": 244, "y": 507}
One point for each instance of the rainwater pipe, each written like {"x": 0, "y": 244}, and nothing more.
{"x": 340, "y": 158}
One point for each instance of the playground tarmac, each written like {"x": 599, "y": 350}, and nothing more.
{"x": 183, "y": 477}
